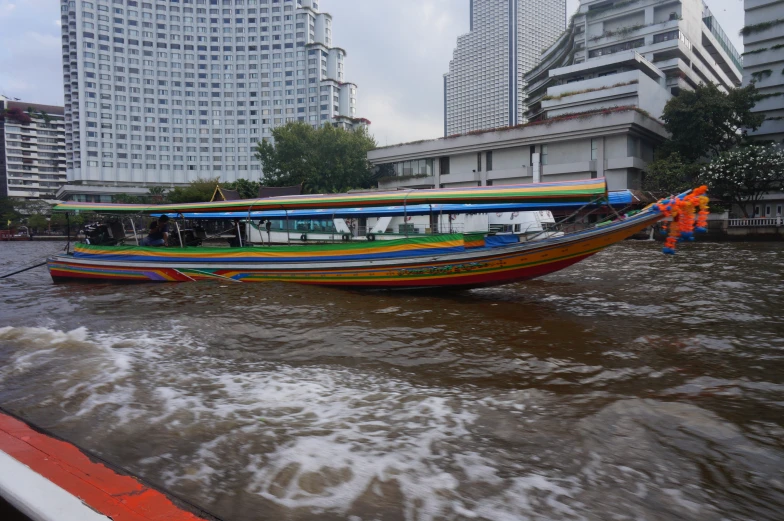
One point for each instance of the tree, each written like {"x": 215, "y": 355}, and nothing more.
{"x": 324, "y": 160}
{"x": 709, "y": 122}
{"x": 247, "y": 189}
{"x": 37, "y": 222}
{"x": 126, "y": 199}
{"x": 57, "y": 221}
{"x": 8, "y": 212}
{"x": 670, "y": 175}
{"x": 199, "y": 191}
{"x": 156, "y": 194}
{"x": 744, "y": 175}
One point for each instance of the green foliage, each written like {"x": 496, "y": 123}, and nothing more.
{"x": 709, "y": 122}
{"x": 744, "y": 175}
{"x": 199, "y": 191}
{"x": 324, "y": 160}
{"x": 585, "y": 91}
{"x": 8, "y": 212}
{"x": 247, "y": 189}
{"x": 37, "y": 222}
{"x": 670, "y": 175}
{"x": 756, "y": 28}
{"x": 156, "y": 194}
{"x": 127, "y": 199}
{"x": 57, "y": 221}
{"x": 761, "y": 75}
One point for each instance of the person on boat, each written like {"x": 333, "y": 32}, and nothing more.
{"x": 159, "y": 233}
{"x": 268, "y": 227}
{"x": 238, "y": 231}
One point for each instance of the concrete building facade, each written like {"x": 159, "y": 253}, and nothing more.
{"x": 164, "y": 92}
{"x": 632, "y": 53}
{"x": 32, "y": 149}
{"x": 616, "y": 144}
{"x": 485, "y": 85}
{"x": 763, "y": 60}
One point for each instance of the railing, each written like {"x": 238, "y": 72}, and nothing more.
{"x": 711, "y": 23}
{"x": 755, "y": 221}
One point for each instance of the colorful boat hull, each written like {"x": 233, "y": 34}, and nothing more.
{"x": 429, "y": 265}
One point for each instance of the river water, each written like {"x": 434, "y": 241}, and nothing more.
{"x": 632, "y": 386}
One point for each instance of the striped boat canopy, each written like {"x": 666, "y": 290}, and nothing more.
{"x": 583, "y": 191}
{"x": 619, "y": 199}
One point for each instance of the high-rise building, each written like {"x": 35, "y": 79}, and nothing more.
{"x": 763, "y": 61}
{"x": 168, "y": 91}
{"x": 484, "y": 87}
{"x": 617, "y": 53}
{"x": 32, "y": 149}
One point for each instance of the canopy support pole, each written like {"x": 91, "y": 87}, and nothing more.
{"x": 133, "y": 227}
{"x": 432, "y": 232}
{"x": 288, "y": 232}
{"x": 177, "y": 225}
{"x": 239, "y": 233}
{"x": 405, "y": 213}
{"x": 68, "y": 228}
{"x": 248, "y": 226}
{"x": 333, "y": 227}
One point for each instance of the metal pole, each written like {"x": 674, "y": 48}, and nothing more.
{"x": 135, "y": 235}
{"x": 405, "y": 213}
{"x": 68, "y": 232}
{"x": 432, "y": 232}
{"x": 333, "y": 226}
{"x": 177, "y": 225}
{"x": 239, "y": 233}
{"x": 288, "y": 233}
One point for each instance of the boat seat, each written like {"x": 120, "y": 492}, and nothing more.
{"x": 117, "y": 231}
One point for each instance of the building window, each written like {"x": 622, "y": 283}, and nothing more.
{"x": 612, "y": 49}
{"x": 594, "y": 149}
{"x": 632, "y": 147}
{"x": 478, "y": 161}
{"x": 489, "y": 160}
{"x": 665, "y": 37}
{"x": 444, "y": 165}
{"x": 544, "y": 154}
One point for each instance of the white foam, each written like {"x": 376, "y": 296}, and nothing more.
{"x": 319, "y": 438}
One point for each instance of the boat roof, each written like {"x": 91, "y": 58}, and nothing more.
{"x": 620, "y": 199}
{"x": 580, "y": 191}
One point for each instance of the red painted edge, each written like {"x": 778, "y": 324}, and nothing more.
{"x": 120, "y": 496}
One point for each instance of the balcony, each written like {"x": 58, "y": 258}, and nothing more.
{"x": 713, "y": 26}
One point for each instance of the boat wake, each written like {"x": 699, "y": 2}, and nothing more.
{"x": 295, "y": 441}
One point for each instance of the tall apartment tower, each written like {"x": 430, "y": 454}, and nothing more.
{"x": 763, "y": 61}
{"x": 32, "y": 149}
{"x": 484, "y": 87}
{"x": 167, "y": 91}
{"x": 618, "y": 53}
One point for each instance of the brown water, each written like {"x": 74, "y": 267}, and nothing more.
{"x": 632, "y": 386}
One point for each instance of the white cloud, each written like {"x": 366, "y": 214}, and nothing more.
{"x": 6, "y": 8}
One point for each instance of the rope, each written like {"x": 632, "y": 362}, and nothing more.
{"x": 22, "y": 270}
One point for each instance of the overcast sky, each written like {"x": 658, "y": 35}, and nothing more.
{"x": 397, "y": 51}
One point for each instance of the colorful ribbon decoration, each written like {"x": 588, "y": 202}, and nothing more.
{"x": 689, "y": 213}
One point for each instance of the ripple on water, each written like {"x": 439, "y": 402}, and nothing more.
{"x": 631, "y": 386}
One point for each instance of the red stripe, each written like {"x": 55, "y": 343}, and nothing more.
{"x": 123, "y": 498}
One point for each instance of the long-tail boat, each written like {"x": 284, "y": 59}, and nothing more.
{"x": 448, "y": 260}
